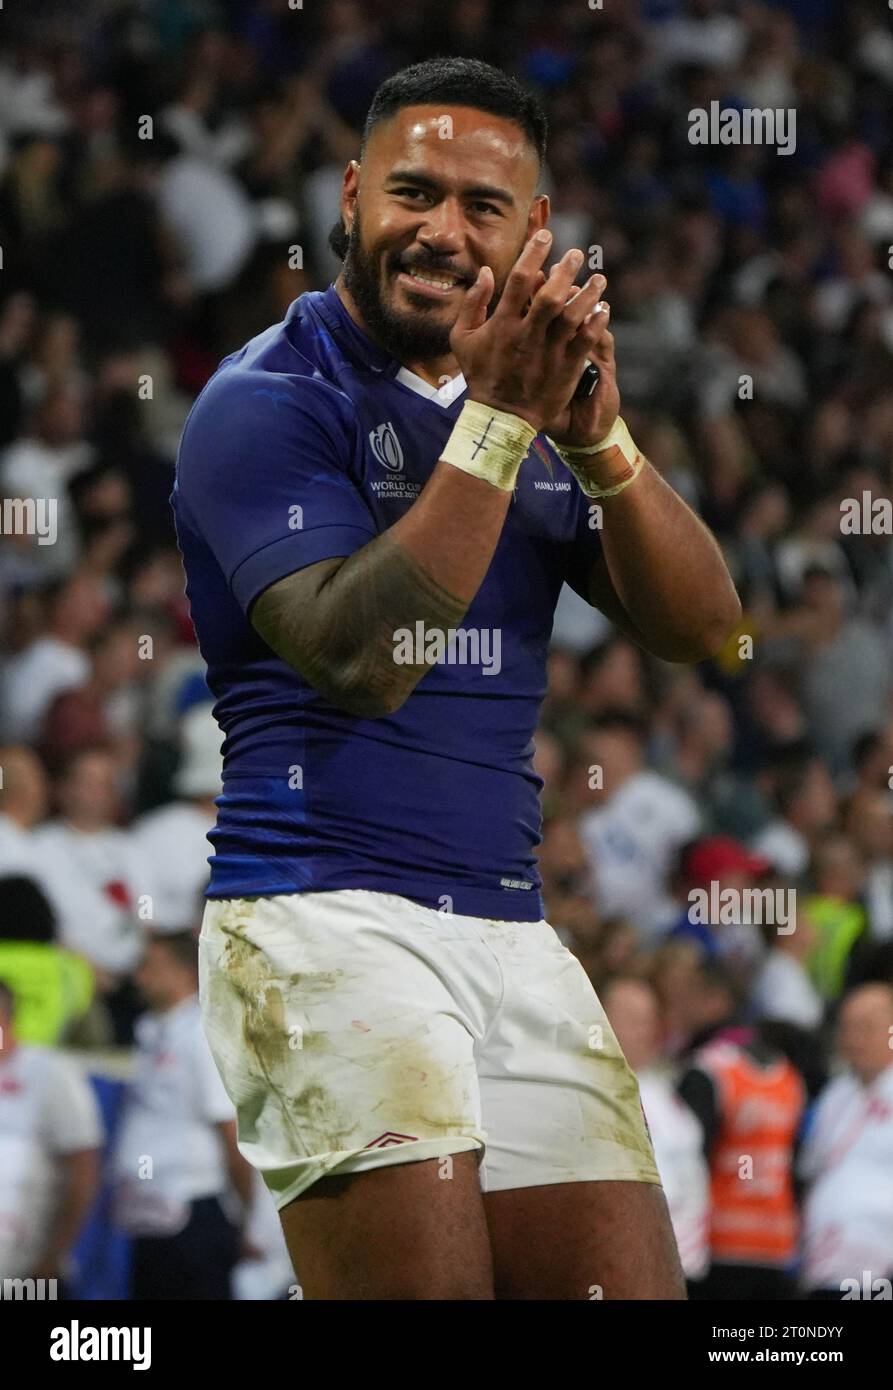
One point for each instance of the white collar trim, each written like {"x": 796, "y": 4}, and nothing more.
{"x": 441, "y": 395}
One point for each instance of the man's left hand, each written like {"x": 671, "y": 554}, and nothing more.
{"x": 587, "y": 421}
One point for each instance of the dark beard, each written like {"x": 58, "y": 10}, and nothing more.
{"x": 404, "y": 338}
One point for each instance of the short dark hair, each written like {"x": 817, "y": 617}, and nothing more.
{"x": 460, "y": 82}
{"x": 182, "y": 946}
{"x": 617, "y": 720}
{"x": 25, "y": 911}
{"x": 865, "y": 746}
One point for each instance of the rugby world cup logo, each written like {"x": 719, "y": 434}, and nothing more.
{"x": 386, "y": 447}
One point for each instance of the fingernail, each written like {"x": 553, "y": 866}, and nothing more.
{"x": 576, "y": 259}
{"x": 542, "y": 236}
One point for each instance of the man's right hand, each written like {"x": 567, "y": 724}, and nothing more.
{"x": 526, "y": 358}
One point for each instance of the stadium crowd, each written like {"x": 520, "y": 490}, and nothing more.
{"x": 169, "y": 175}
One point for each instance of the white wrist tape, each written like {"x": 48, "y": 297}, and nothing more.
{"x": 621, "y": 457}
{"x": 489, "y": 444}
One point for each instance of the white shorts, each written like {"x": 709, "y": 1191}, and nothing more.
{"x": 355, "y": 1029}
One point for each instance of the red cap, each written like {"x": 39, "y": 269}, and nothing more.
{"x": 719, "y": 856}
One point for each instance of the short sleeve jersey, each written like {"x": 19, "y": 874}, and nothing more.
{"x": 306, "y": 444}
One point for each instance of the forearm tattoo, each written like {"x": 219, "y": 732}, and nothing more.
{"x": 340, "y": 633}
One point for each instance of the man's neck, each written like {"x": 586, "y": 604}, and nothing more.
{"x": 434, "y": 370}
{"x": 174, "y": 1002}
{"x": 869, "y": 1078}
{"x": 84, "y": 825}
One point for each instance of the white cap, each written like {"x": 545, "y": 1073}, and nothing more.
{"x": 201, "y": 766}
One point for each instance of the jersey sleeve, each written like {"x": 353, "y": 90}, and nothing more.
{"x": 264, "y": 477}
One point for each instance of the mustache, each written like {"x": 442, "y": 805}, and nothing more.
{"x": 432, "y": 265}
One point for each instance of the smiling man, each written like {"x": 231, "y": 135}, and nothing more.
{"x": 422, "y": 1072}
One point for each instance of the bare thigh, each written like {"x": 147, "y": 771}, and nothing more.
{"x": 403, "y": 1232}
{"x": 583, "y": 1240}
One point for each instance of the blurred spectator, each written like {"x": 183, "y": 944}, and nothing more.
{"x": 805, "y": 805}
{"x": 716, "y": 875}
{"x": 73, "y": 912}
{"x": 87, "y": 842}
{"x": 869, "y": 821}
{"x": 783, "y": 990}
{"x": 17, "y": 319}
{"x": 749, "y": 1100}
{"x": 638, "y": 823}
{"x": 55, "y": 661}
{"x": 838, "y": 653}
{"x": 53, "y": 986}
{"x": 872, "y": 764}
{"x": 173, "y": 838}
{"x": 176, "y": 1162}
{"x": 50, "y": 1136}
{"x": 633, "y": 1012}
{"x": 847, "y": 1159}
{"x": 700, "y": 760}
{"x": 835, "y": 911}
{"x": 264, "y": 1270}
{"x": 42, "y": 465}
{"x": 703, "y": 33}
{"x": 101, "y": 709}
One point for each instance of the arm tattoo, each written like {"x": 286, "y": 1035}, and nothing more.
{"x": 335, "y": 621}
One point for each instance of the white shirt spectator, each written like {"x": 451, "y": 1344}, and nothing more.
{"x": 632, "y": 843}
{"x": 28, "y": 100}
{"x": 784, "y": 847}
{"x": 716, "y": 41}
{"x": 271, "y": 1275}
{"x": 783, "y": 990}
{"x": 86, "y": 921}
{"x": 578, "y": 626}
{"x": 173, "y": 841}
{"x": 32, "y": 680}
{"x": 876, "y": 218}
{"x": 835, "y": 299}
{"x": 170, "y": 1152}
{"x": 112, "y": 865}
{"x": 848, "y": 1160}
{"x": 879, "y": 899}
{"x": 47, "y": 1109}
{"x": 678, "y": 1141}
{"x": 225, "y": 145}
{"x": 32, "y": 468}
{"x": 211, "y": 217}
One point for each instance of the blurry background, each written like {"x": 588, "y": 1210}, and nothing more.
{"x": 752, "y": 305}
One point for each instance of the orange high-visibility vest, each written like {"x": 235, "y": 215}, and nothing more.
{"x": 754, "y": 1216}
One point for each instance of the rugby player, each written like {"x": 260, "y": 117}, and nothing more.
{"x": 378, "y": 501}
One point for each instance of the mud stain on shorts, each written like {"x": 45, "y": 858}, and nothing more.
{"x": 282, "y": 1050}
{"x": 618, "y": 1117}
{"x": 422, "y": 1094}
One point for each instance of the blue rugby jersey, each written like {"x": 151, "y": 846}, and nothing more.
{"x": 306, "y": 444}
